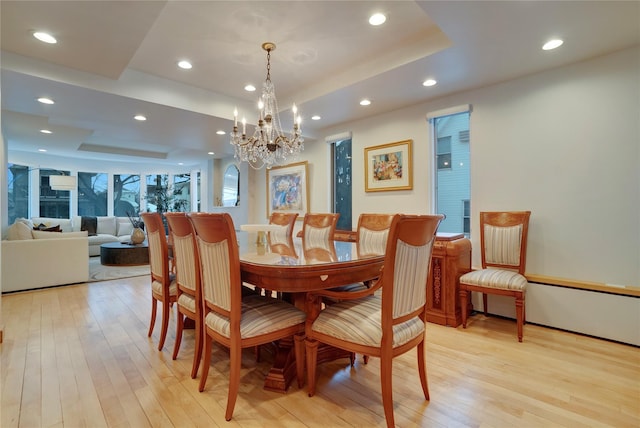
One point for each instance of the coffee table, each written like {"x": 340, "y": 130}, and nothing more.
{"x": 124, "y": 254}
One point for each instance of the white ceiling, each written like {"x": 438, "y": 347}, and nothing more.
{"x": 115, "y": 59}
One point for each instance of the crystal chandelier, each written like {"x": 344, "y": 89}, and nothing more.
{"x": 269, "y": 145}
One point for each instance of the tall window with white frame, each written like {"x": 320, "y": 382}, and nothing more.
{"x": 92, "y": 194}
{"x": 17, "y": 192}
{"x": 341, "y": 183}
{"x": 452, "y": 179}
{"x": 53, "y": 203}
{"x": 126, "y": 194}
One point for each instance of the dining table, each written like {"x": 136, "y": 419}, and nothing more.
{"x": 296, "y": 272}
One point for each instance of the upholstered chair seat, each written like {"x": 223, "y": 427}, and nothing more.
{"x": 495, "y": 278}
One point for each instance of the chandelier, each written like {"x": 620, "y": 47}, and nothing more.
{"x": 269, "y": 145}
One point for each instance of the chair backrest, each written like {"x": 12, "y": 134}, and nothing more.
{"x": 287, "y": 222}
{"x": 318, "y": 229}
{"x": 372, "y": 233}
{"x": 406, "y": 268}
{"x": 219, "y": 264}
{"x": 185, "y": 252}
{"x": 503, "y": 239}
{"x": 158, "y": 248}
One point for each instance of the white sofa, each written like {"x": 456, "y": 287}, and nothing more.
{"x": 47, "y": 259}
{"x": 109, "y": 229}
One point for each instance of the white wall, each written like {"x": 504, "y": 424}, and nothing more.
{"x": 563, "y": 144}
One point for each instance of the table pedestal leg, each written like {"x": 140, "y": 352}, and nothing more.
{"x": 283, "y": 370}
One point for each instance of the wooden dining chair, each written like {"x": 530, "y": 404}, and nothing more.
{"x": 230, "y": 320}
{"x": 503, "y": 244}
{"x": 189, "y": 299}
{"x": 318, "y": 231}
{"x": 387, "y": 324}
{"x": 163, "y": 285}
{"x": 372, "y": 233}
{"x": 281, "y": 241}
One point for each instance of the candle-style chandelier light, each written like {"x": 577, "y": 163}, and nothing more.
{"x": 269, "y": 145}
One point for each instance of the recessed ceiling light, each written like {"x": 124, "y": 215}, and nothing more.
{"x": 210, "y": 153}
{"x": 45, "y": 100}
{"x": 42, "y": 150}
{"x": 316, "y": 117}
{"x": 185, "y": 65}
{"x": 249, "y": 88}
{"x": 221, "y": 132}
{"x": 45, "y": 37}
{"x": 429, "y": 82}
{"x": 365, "y": 102}
{"x": 552, "y": 44}
{"x": 377, "y": 19}
{"x": 45, "y": 131}
{"x": 140, "y": 117}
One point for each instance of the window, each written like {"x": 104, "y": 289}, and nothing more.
{"x": 443, "y": 152}
{"x": 182, "y": 190}
{"x": 155, "y": 192}
{"x": 92, "y": 194}
{"x": 18, "y": 192}
{"x": 452, "y": 181}
{"x": 53, "y": 203}
{"x": 341, "y": 195}
{"x": 466, "y": 218}
{"x": 126, "y": 194}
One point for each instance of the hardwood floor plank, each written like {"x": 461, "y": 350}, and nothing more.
{"x": 79, "y": 356}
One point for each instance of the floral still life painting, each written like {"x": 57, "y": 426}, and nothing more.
{"x": 388, "y": 167}
{"x": 287, "y": 189}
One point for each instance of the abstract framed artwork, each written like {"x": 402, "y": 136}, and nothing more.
{"x": 388, "y": 167}
{"x": 288, "y": 189}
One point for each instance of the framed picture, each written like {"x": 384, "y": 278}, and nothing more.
{"x": 388, "y": 167}
{"x": 288, "y": 189}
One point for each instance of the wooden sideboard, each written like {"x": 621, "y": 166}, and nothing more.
{"x": 450, "y": 259}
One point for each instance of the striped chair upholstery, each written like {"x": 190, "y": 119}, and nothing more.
{"x": 230, "y": 319}
{"x": 503, "y": 239}
{"x": 186, "y": 264}
{"x": 163, "y": 285}
{"x": 385, "y": 324}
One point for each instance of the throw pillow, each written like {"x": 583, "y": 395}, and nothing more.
{"x": 42, "y": 227}
{"x": 19, "y": 231}
{"x": 90, "y": 224}
{"x": 26, "y": 221}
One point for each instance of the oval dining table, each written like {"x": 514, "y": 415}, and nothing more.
{"x": 309, "y": 269}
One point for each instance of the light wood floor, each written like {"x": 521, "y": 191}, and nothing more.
{"x": 78, "y": 356}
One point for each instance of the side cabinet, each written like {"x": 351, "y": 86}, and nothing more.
{"x": 450, "y": 259}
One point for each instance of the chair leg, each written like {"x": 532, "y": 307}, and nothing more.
{"x": 422, "y": 370}
{"x": 298, "y": 341}
{"x": 235, "y": 360}
{"x": 165, "y": 323}
{"x": 387, "y": 390}
{"x": 485, "y": 305}
{"x": 154, "y": 311}
{"x": 179, "y": 328}
{"x": 520, "y": 315}
{"x": 312, "y": 361}
{"x": 206, "y": 360}
{"x": 365, "y": 358}
{"x": 197, "y": 353}
{"x": 464, "y": 296}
